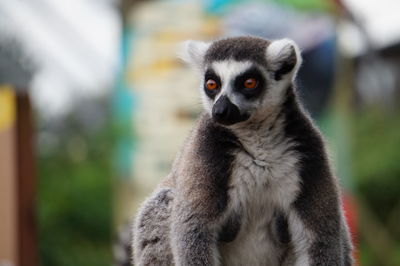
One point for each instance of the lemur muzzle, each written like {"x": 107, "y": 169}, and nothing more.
{"x": 227, "y": 113}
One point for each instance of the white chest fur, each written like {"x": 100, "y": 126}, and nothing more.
{"x": 264, "y": 179}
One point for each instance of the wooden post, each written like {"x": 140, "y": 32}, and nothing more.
{"x": 26, "y": 186}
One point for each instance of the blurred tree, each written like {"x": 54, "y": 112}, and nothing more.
{"x": 74, "y": 209}
{"x": 375, "y": 134}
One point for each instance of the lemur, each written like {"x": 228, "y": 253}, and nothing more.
{"x": 252, "y": 184}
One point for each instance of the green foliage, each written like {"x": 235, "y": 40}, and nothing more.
{"x": 376, "y": 138}
{"x": 376, "y": 153}
{"x": 74, "y": 198}
{"x": 308, "y": 4}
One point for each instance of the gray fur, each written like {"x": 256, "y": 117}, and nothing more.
{"x": 258, "y": 192}
{"x": 239, "y": 49}
{"x": 151, "y": 248}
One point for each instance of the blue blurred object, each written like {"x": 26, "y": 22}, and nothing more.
{"x": 316, "y": 76}
{"x": 123, "y": 105}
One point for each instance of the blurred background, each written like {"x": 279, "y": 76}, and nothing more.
{"x": 94, "y": 106}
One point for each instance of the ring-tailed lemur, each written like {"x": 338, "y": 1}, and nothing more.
{"x": 252, "y": 184}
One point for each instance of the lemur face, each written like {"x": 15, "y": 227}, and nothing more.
{"x": 243, "y": 78}
{"x": 233, "y": 90}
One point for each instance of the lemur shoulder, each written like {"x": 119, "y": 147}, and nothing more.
{"x": 252, "y": 184}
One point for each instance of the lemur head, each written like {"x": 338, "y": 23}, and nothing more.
{"x": 243, "y": 78}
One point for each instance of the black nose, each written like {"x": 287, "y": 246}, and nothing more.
{"x": 222, "y": 107}
{"x": 227, "y": 113}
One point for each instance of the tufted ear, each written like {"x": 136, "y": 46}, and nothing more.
{"x": 284, "y": 59}
{"x": 192, "y": 52}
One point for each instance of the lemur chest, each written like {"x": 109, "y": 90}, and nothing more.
{"x": 267, "y": 178}
{"x": 261, "y": 190}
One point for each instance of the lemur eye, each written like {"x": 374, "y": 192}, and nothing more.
{"x": 250, "y": 83}
{"x": 211, "y": 84}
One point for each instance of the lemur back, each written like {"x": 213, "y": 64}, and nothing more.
{"x": 252, "y": 184}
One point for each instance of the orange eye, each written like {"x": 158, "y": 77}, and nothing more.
{"x": 211, "y": 84}
{"x": 250, "y": 83}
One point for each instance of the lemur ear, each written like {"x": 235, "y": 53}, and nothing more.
{"x": 284, "y": 59}
{"x": 192, "y": 52}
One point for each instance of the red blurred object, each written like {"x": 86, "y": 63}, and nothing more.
{"x": 351, "y": 214}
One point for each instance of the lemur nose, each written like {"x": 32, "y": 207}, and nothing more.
{"x": 221, "y": 108}
{"x": 226, "y": 113}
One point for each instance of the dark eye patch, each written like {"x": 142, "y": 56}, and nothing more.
{"x": 255, "y": 73}
{"x": 210, "y": 74}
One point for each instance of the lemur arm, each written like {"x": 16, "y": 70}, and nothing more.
{"x": 202, "y": 194}
{"x": 319, "y": 234}
{"x": 193, "y": 239}
{"x": 316, "y": 221}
